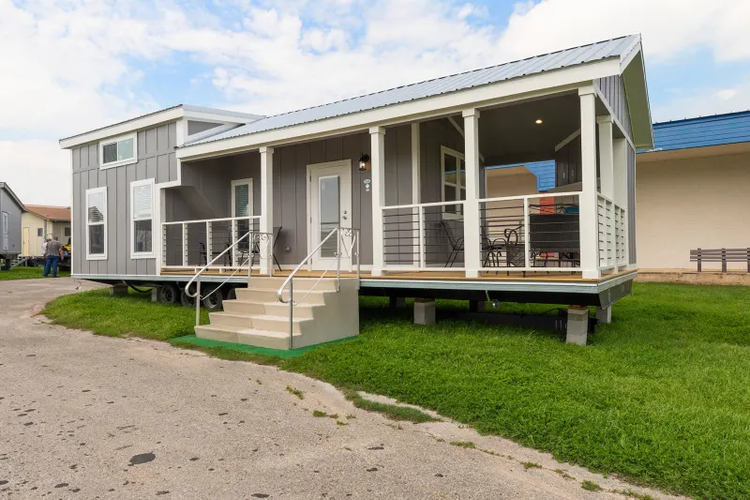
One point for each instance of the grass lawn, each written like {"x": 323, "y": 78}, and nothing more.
{"x": 660, "y": 397}
{"x": 27, "y": 273}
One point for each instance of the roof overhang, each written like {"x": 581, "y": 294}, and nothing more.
{"x": 654, "y": 156}
{"x": 507, "y": 91}
{"x": 633, "y": 72}
{"x": 157, "y": 118}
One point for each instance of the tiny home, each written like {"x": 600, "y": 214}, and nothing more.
{"x": 11, "y": 210}
{"x": 380, "y": 194}
{"x": 41, "y": 221}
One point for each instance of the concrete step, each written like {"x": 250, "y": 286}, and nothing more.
{"x": 231, "y": 320}
{"x": 244, "y": 307}
{"x": 267, "y": 282}
{"x": 220, "y": 333}
{"x": 303, "y": 310}
{"x": 262, "y": 338}
{"x": 278, "y": 323}
{"x": 263, "y": 295}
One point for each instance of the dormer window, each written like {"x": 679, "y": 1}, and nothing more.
{"x": 117, "y": 151}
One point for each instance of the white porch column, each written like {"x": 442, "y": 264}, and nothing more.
{"x": 606, "y": 156}
{"x": 472, "y": 241}
{"x": 588, "y": 206}
{"x": 620, "y": 169}
{"x": 266, "y": 206}
{"x": 377, "y": 165}
{"x": 416, "y": 190}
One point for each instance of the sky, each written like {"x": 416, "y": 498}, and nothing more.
{"x": 68, "y": 66}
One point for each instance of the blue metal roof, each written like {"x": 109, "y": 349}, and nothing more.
{"x": 616, "y": 47}
{"x": 544, "y": 171}
{"x": 715, "y": 130}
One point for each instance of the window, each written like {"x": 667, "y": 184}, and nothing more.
{"x": 142, "y": 215}
{"x": 453, "y": 168}
{"x": 242, "y": 198}
{"x": 96, "y": 223}
{"x": 67, "y": 232}
{"x": 117, "y": 151}
{"x": 6, "y": 230}
{"x": 39, "y": 232}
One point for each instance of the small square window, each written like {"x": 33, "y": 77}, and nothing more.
{"x": 118, "y": 151}
{"x": 39, "y": 231}
{"x": 67, "y": 232}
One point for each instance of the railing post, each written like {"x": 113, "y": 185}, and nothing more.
{"x": 723, "y": 260}
{"x": 269, "y": 251}
{"x": 420, "y": 215}
{"x": 184, "y": 245}
{"x": 233, "y": 239}
{"x": 163, "y": 244}
{"x": 338, "y": 258}
{"x": 209, "y": 244}
{"x": 198, "y": 301}
{"x": 526, "y": 234}
{"x": 358, "y": 262}
{"x": 291, "y": 314}
{"x": 250, "y": 238}
{"x": 698, "y": 257}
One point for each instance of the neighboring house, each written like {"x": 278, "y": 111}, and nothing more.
{"x": 41, "y": 221}
{"x": 11, "y": 210}
{"x": 397, "y": 175}
{"x": 692, "y": 190}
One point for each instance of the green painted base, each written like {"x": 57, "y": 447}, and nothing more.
{"x": 279, "y": 353}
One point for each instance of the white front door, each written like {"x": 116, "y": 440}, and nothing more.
{"x": 329, "y": 194}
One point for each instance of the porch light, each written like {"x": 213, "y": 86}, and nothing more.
{"x": 363, "y": 161}
{"x": 538, "y": 121}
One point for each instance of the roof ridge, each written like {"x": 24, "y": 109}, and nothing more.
{"x": 703, "y": 117}
{"x": 493, "y": 66}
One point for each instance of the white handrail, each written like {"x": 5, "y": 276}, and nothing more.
{"x": 530, "y": 196}
{"x": 432, "y": 204}
{"x": 280, "y": 293}
{"x": 223, "y": 219}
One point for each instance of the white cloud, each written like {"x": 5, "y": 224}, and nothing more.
{"x": 71, "y": 65}
{"x": 37, "y": 170}
{"x": 704, "y": 101}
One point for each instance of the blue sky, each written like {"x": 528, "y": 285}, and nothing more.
{"x": 73, "y": 65}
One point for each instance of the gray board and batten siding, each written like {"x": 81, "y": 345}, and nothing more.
{"x": 9, "y": 206}
{"x": 155, "y": 160}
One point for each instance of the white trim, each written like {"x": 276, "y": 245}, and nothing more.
{"x": 416, "y": 163}
{"x": 472, "y": 222}
{"x": 143, "y": 255}
{"x": 461, "y": 132}
{"x": 239, "y": 182}
{"x": 614, "y": 118}
{"x": 102, "y": 256}
{"x": 588, "y": 201}
{"x": 567, "y": 140}
{"x": 377, "y": 167}
{"x": 117, "y": 140}
{"x": 444, "y": 150}
{"x": 517, "y": 89}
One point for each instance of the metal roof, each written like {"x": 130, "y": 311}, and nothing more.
{"x": 714, "y": 130}
{"x": 616, "y": 47}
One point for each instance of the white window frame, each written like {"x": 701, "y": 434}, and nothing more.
{"x": 6, "y": 231}
{"x": 133, "y": 253}
{"x": 444, "y": 150}
{"x": 240, "y": 182}
{"x": 89, "y": 255}
{"x": 118, "y": 163}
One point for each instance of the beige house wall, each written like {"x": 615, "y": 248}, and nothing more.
{"x": 30, "y": 224}
{"x": 688, "y": 203}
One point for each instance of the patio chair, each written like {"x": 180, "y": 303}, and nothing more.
{"x": 256, "y": 248}
{"x": 456, "y": 244}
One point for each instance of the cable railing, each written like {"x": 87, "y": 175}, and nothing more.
{"x": 352, "y": 252}
{"x": 254, "y": 240}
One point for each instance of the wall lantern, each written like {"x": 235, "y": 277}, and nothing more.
{"x": 364, "y": 160}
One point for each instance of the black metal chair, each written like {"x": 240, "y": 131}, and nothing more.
{"x": 256, "y": 248}
{"x": 456, "y": 244}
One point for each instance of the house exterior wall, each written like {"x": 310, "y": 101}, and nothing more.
{"x": 689, "y": 203}
{"x": 32, "y": 222}
{"x": 155, "y": 160}
{"x": 9, "y": 206}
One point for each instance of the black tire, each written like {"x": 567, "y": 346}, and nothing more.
{"x": 187, "y": 301}
{"x": 231, "y": 294}
{"x": 168, "y": 294}
{"x": 214, "y": 302}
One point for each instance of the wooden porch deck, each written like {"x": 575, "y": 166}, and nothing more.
{"x": 544, "y": 276}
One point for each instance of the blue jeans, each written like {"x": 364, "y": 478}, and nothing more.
{"x": 51, "y": 261}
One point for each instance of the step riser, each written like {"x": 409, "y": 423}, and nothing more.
{"x": 325, "y": 285}
{"x": 247, "y": 308}
{"x": 260, "y": 341}
{"x": 218, "y": 319}
{"x": 276, "y": 325}
{"x": 263, "y": 296}
{"x": 221, "y": 336}
{"x": 303, "y": 311}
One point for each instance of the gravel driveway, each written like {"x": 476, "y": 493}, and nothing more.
{"x": 86, "y": 417}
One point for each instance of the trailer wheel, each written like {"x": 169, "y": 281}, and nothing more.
{"x": 231, "y": 294}
{"x": 168, "y": 294}
{"x": 213, "y": 302}
{"x": 185, "y": 300}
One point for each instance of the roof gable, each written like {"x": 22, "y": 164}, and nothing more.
{"x": 6, "y": 187}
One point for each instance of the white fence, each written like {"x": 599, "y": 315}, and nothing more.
{"x": 612, "y": 238}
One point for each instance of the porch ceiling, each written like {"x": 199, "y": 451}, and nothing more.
{"x": 510, "y": 134}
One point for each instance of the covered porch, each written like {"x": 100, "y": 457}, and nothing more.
{"x": 418, "y": 193}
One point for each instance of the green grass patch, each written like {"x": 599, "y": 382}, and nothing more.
{"x": 319, "y": 414}
{"x": 464, "y": 444}
{"x": 28, "y": 273}
{"x": 590, "y": 486}
{"x": 296, "y": 392}
{"x": 393, "y": 412}
{"x": 531, "y": 465}
{"x": 660, "y": 397}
